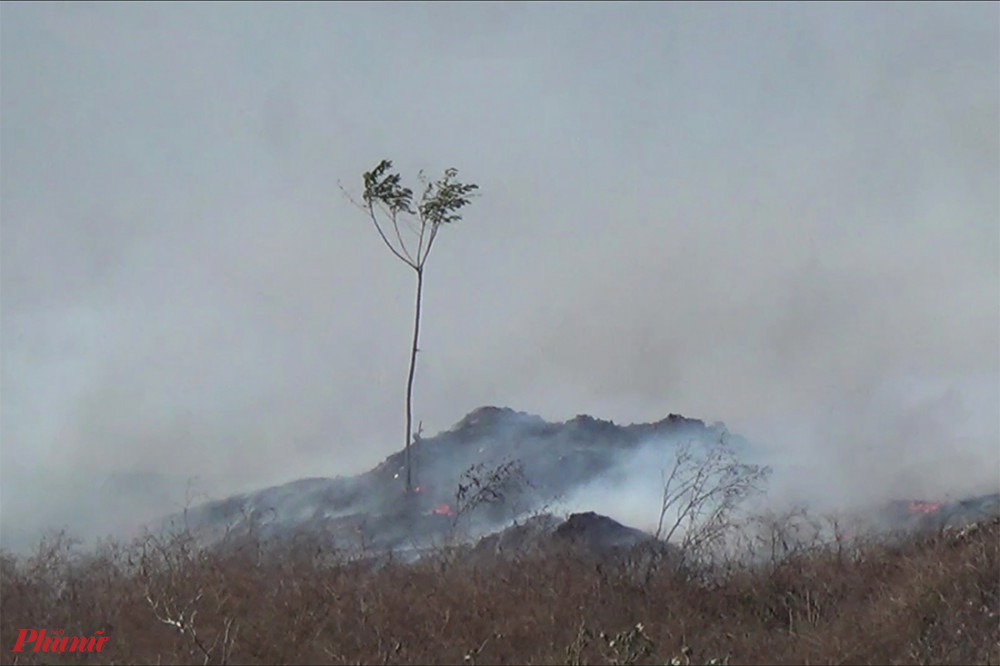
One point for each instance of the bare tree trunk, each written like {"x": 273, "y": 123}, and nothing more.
{"x": 409, "y": 379}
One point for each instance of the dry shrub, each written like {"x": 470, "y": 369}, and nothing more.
{"x": 162, "y": 599}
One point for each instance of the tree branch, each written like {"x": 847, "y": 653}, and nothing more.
{"x": 406, "y": 260}
{"x": 399, "y": 236}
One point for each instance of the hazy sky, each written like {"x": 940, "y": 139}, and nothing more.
{"x": 782, "y": 216}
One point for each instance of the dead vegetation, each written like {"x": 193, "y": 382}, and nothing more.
{"x": 932, "y": 599}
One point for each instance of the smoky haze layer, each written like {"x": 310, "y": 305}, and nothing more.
{"x": 494, "y": 467}
{"x": 498, "y": 468}
{"x": 783, "y": 217}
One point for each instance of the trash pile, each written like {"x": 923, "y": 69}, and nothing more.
{"x": 494, "y": 478}
{"x": 512, "y": 465}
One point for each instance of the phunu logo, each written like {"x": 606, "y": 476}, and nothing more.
{"x": 59, "y": 643}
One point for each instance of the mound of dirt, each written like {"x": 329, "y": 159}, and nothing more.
{"x": 588, "y": 535}
{"x": 598, "y": 533}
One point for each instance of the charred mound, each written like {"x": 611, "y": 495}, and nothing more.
{"x": 373, "y": 509}
{"x": 583, "y": 534}
{"x": 599, "y": 532}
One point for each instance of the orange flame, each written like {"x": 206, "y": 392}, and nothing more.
{"x": 444, "y": 509}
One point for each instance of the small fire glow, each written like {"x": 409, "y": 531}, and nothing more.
{"x": 443, "y": 509}
{"x": 924, "y": 507}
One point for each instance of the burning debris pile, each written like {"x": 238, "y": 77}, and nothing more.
{"x": 924, "y": 515}
{"x": 495, "y": 476}
{"x": 493, "y": 467}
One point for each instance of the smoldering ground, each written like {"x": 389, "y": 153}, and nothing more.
{"x": 782, "y": 217}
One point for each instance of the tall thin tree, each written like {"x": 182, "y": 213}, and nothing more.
{"x": 391, "y": 208}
